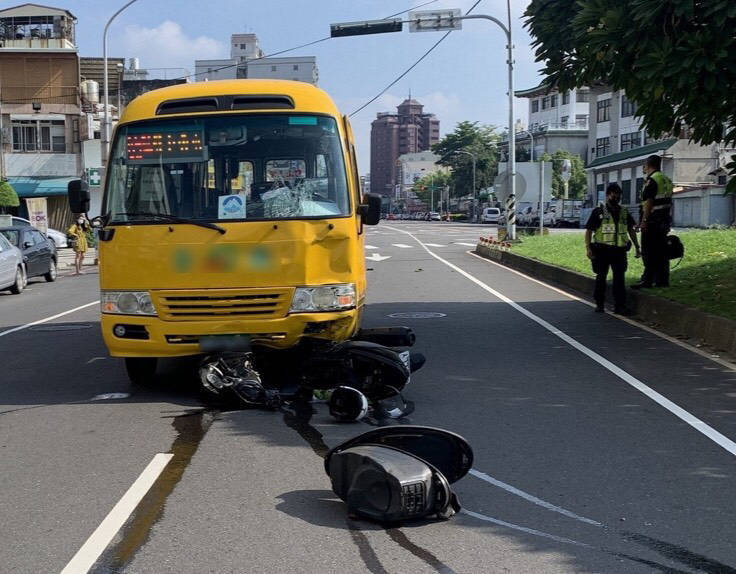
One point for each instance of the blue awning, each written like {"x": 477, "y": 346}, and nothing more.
{"x": 39, "y": 187}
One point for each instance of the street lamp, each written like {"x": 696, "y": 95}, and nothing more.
{"x": 449, "y": 20}
{"x": 475, "y": 202}
{"x": 106, "y": 118}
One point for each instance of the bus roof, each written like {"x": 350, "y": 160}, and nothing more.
{"x": 306, "y": 97}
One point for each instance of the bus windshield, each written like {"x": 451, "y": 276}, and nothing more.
{"x": 235, "y": 167}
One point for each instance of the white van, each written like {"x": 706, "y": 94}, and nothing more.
{"x": 490, "y": 215}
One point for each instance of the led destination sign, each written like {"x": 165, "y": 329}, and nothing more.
{"x": 175, "y": 146}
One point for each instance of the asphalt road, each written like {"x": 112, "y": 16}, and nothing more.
{"x": 599, "y": 446}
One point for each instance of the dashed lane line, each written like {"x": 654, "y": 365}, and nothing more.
{"x": 402, "y": 245}
{"x": 699, "y": 425}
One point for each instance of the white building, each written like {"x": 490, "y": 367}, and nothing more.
{"x": 209, "y": 70}
{"x": 299, "y": 68}
{"x": 244, "y": 47}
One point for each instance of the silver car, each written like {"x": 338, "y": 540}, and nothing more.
{"x": 12, "y": 270}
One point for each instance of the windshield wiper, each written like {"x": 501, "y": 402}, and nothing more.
{"x": 175, "y": 219}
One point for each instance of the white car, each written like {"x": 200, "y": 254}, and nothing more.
{"x": 12, "y": 269}
{"x": 56, "y": 236}
{"x": 490, "y": 215}
{"x": 434, "y": 216}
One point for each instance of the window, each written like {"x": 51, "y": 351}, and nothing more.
{"x": 242, "y": 46}
{"x": 628, "y": 108}
{"x": 553, "y": 101}
{"x": 295, "y": 67}
{"x": 545, "y": 102}
{"x": 535, "y": 106}
{"x": 583, "y": 96}
{"x": 565, "y": 98}
{"x": 626, "y": 192}
{"x": 292, "y": 168}
{"x": 630, "y": 141}
{"x": 563, "y": 120}
{"x": 604, "y": 110}
{"x": 602, "y": 146}
{"x": 39, "y": 135}
{"x": 273, "y": 68}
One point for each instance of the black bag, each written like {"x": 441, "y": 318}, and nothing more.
{"x": 675, "y": 248}
{"x": 71, "y": 240}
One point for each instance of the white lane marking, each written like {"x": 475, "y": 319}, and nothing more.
{"x": 96, "y": 544}
{"x": 434, "y": 245}
{"x": 531, "y": 498}
{"x": 646, "y": 328}
{"x": 371, "y": 247}
{"x": 47, "y": 319}
{"x": 377, "y": 257}
{"x": 465, "y": 244}
{"x": 522, "y": 528}
{"x": 93, "y": 359}
{"x": 110, "y": 396}
{"x": 661, "y": 400}
{"x": 402, "y": 245}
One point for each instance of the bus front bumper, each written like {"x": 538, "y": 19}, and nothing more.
{"x": 144, "y": 336}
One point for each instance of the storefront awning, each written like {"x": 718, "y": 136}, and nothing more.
{"x": 39, "y": 187}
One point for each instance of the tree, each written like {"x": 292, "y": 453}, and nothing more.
{"x": 437, "y": 181}
{"x": 8, "y": 197}
{"x": 577, "y": 184}
{"x": 675, "y": 58}
{"x": 478, "y": 140}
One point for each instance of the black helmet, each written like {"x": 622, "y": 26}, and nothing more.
{"x": 348, "y": 404}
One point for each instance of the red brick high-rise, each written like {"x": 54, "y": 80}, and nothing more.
{"x": 408, "y": 131}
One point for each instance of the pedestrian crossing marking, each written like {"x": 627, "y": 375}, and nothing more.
{"x": 402, "y": 246}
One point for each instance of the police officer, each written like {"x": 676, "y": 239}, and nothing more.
{"x": 656, "y": 205}
{"x": 612, "y": 230}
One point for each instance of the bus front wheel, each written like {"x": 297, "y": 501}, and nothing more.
{"x": 141, "y": 370}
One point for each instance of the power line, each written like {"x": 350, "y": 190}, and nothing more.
{"x": 410, "y": 68}
{"x": 289, "y": 49}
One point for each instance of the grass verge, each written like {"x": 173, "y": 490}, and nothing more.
{"x": 706, "y": 278}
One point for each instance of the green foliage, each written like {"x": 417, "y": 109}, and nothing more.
{"x": 675, "y": 58}
{"x": 437, "y": 181}
{"x": 8, "y": 197}
{"x": 478, "y": 140}
{"x": 577, "y": 184}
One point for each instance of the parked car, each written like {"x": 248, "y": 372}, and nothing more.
{"x": 12, "y": 270}
{"x": 490, "y": 215}
{"x": 57, "y": 236}
{"x": 524, "y": 217}
{"x": 434, "y": 216}
{"x": 39, "y": 252}
{"x": 550, "y": 219}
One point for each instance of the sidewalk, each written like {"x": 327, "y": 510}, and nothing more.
{"x": 65, "y": 258}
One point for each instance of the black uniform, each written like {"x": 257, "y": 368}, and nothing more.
{"x": 605, "y": 256}
{"x": 654, "y": 242}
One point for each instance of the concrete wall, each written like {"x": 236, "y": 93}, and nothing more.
{"x": 702, "y": 207}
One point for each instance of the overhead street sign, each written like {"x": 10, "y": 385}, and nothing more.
{"x": 365, "y": 27}
{"x": 434, "y": 20}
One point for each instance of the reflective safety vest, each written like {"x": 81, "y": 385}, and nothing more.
{"x": 611, "y": 233}
{"x": 663, "y": 199}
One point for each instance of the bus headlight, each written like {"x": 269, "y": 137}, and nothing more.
{"x": 323, "y": 298}
{"x": 127, "y": 303}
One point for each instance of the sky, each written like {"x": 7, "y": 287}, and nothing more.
{"x": 464, "y": 78}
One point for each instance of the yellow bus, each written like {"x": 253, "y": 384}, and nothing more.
{"x": 230, "y": 208}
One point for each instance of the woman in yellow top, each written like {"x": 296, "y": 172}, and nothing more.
{"x": 78, "y": 231}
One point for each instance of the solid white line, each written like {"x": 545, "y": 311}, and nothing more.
{"x": 531, "y": 498}
{"x": 434, "y": 245}
{"x": 14, "y": 329}
{"x": 403, "y": 246}
{"x": 642, "y": 326}
{"x": 663, "y": 401}
{"x": 485, "y": 518}
{"x": 91, "y": 550}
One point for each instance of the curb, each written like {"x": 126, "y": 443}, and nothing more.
{"x": 670, "y": 317}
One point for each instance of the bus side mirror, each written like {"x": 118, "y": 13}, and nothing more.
{"x": 370, "y": 210}
{"x": 78, "y": 192}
